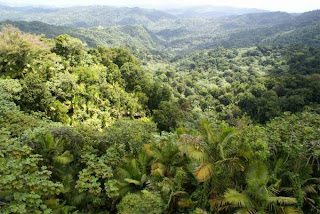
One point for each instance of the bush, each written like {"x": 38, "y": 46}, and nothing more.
{"x": 141, "y": 203}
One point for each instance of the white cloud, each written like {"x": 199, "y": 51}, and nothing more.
{"x": 275, "y": 5}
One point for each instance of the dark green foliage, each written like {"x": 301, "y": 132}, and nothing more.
{"x": 167, "y": 116}
{"x": 25, "y": 184}
{"x": 128, "y": 134}
{"x": 140, "y": 203}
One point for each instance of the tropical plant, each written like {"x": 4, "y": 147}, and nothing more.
{"x": 26, "y": 186}
{"x": 134, "y": 174}
{"x": 259, "y": 196}
{"x": 209, "y": 151}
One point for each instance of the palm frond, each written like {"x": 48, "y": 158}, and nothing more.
{"x": 196, "y": 154}
{"x": 289, "y": 210}
{"x": 282, "y": 200}
{"x": 204, "y": 172}
{"x": 220, "y": 204}
{"x": 226, "y": 135}
{"x": 148, "y": 149}
{"x": 122, "y": 173}
{"x": 237, "y": 199}
{"x": 257, "y": 175}
{"x": 48, "y": 141}
{"x": 310, "y": 189}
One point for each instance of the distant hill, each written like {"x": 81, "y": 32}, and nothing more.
{"x": 89, "y": 16}
{"x": 166, "y": 33}
{"x": 27, "y": 9}
{"x": 209, "y": 11}
{"x": 302, "y": 29}
{"x": 189, "y": 34}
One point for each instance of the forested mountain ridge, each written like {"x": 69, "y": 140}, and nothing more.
{"x": 101, "y": 12}
{"x": 240, "y": 31}
{"x": 89, "y": 16}
{"x": 175, "y": 35}
{"x": 209, "y": 11}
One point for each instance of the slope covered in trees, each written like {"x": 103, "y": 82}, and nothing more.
{"x": 95, "y": 130}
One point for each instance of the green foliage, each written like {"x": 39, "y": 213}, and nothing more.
{"x": 139, "y": 203}
{"x": 258, "y": 197}
{"x": 72, "y": 49}
{"x": 25, "y": 184}
{"x": 96, "y": 170}
{"x": 128, "y": 135}
{"x": 296, "y": 137}
{"x": 133, "y": 175}
{"x": 35, "y": 93}
{"x": 22, "y": 53}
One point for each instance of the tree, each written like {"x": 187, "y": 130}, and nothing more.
{"x": 212, "y": 156}
{"x": 133, "y": 175}
{"x": 167, "y": 116}
{"x": 36, "y": 95}
{"x": 156, "y": 94}
{"x": 169, "y": 170}
{"x": 167, "y": 158}
{"x": 21, "y": 53}
{"x": 71, "y": 49}
{"x": 132, "y": 75}
{"x": 123, "y": 56}
{"x": 259, "y": 196}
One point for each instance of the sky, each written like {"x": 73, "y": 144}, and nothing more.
{"x": 272, "y": 5}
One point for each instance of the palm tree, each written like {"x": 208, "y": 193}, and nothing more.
{"x": 259, "y": 196}
{"x": 167, "y": 158}
{"x": 61, "y": 163}
{"x": 169, "y": 170}
{"x": 134, "y": 174}
{"x": 209, "y": 151}
{"x": 305, "y": 189}
{"x": 57, "y": 159}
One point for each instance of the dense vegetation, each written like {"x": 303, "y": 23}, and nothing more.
{"x": 134, "y": 111}
{"x": 95, "y": 130}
